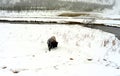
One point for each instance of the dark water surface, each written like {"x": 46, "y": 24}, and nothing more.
{"x": 110, "y": 29}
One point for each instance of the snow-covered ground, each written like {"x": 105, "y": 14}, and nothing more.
{"x": 81, "y": 51}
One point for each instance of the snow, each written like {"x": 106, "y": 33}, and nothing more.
{"x": 81, "y": 51}
{"x": 109, "y": 15}
{"x": 4, "y": 3}
{"x": 114, "y": 12}
{"x": 107, "y": 2}
{"x": 29, "y": 14}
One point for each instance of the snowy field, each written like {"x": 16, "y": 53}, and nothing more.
{"x": 81, "y": 51}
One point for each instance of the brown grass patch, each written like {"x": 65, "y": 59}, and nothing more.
{"x": 15, "y": 71}
{"x": 113, "y": 42}
{"x": 71, "y": 59}
{"x": 106, "y": 42}
{"x": 73, "y": 14}
{"x": 89, "y": 59}
{"x": 4, "y": 67}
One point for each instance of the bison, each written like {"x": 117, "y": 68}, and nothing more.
{"x": 52, "y": 43}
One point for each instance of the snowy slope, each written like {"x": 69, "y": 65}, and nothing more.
{"x": 79, "y": 5}
{"x": 114, "y": 12}
{"x": 14, "y": 2}
{"x": 81, "y": 51}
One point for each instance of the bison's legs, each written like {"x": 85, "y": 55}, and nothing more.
{"x": 49, "y": 46}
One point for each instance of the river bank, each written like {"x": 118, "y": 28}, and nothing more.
{"x": 111, "y": 29}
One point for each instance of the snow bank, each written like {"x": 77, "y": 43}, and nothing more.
{"x": 81, "y": 51}
{"x": 113, "y": 12}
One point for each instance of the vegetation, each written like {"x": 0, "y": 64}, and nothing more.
{"x": 73, "y": 14}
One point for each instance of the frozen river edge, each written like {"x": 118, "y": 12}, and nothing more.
{"x": 113, "y": 26}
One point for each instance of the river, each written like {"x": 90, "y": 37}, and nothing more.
{"x": 110, "y": 29}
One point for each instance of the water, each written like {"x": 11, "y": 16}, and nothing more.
{"x": 113, "y": 30}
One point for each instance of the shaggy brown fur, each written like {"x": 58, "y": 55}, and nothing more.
{"x": 52, "y": 43}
